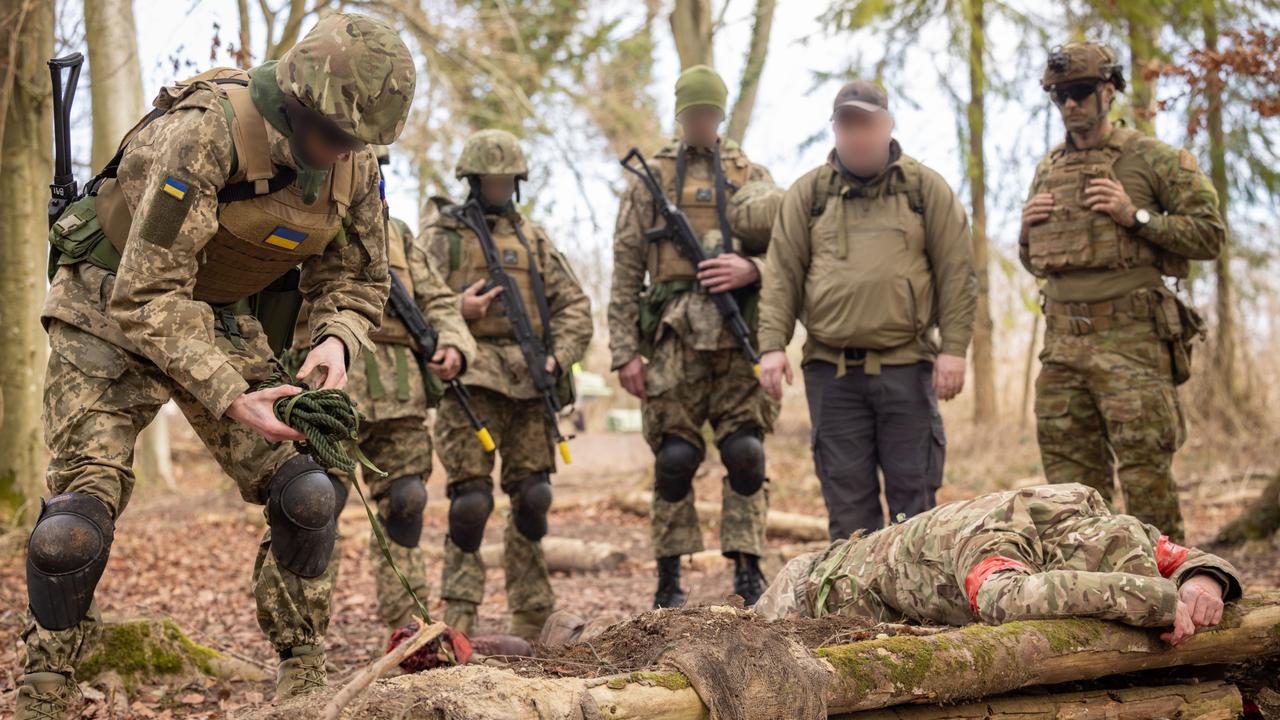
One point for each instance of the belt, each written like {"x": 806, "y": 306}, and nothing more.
{"x": 1084, "y": 318}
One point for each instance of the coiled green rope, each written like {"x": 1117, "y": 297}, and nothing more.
{"x": 330, "y": 421}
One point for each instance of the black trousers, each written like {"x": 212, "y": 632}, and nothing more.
{"x": 862, "y": 423}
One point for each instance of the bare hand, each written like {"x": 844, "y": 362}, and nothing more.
{"x": 256, "y": 411}
{"x": 723, "y": 273}
{"x": 1203, "y": 597}
{"x": 1036, "y": 210}
{"x": 1183, "y": 626}
{"x": 551, "y": 366}
{"x": 330, "y": 355}
{"x": 1108, "y": 196}
{"x": 631, "y": 376}
{"x": 774, "y": 366}
{"x": 475, "y": 303}
{"x": 446, "y": 363}
{"x": 948, "y": 376}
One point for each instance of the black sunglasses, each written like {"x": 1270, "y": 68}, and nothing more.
{"x": 1074, "y": 91}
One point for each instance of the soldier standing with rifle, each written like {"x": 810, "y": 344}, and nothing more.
{"x": 390, "y": 385}
{"x": 532, "y": 322}
{"x": 1110, "y": 214}
{"x": 680, "y": 341}
{"x": 229, "y": 184}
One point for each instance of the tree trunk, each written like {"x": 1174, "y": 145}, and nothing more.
{"x": 244, "y": 53}
{"x": 116, "y": 88}
{"x": 26, "y": 152}
{"x": 691, "y": 30}
{"x": 1224, "y": 346}
{"x": 1144, "y": 33}
{"x": 1199, "y": 701}
{"x": 794, "y": 525}
{"x": 984, "y": 378}
{"x": 1260, "y": 520}
{"x": 745, "y": 103}
{"x": 117, "y": 104}
{"x": 564, "y": 554}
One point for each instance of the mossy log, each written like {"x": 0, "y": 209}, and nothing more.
{"x": 956, "y": 666}
{"x": 148, "y": 650}
{"x": 1213, "y": 700}
{"x": 778, "y": 523}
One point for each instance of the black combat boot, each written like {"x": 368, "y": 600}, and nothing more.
{"x": 669, "y": 594}
{"x": 748, "y": 581}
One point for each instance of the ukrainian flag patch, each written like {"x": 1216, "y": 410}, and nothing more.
{"x": 287, "y": 238}
{"x": 175, "y": 187}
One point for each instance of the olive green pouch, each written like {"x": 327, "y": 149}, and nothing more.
{"x": 1179, "y": 325}
{"x": 77, "y": 236}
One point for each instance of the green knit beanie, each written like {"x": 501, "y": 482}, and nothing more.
{"x": 700, "y": 85}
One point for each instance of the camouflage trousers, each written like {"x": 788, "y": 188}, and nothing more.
{"x": 1092, "y": 564}
{"x": 97, "y": 398}
{"x": 1105, "y": 402}
{"x": 688, "y": 388}
{"x": 524, "y": 442}
{"x": 386, "y": 384}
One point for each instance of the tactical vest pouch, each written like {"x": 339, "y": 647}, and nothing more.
{"x": 1179, "y": 325}
{"x": 653, "y": 305}
{"x": 277, "y": 307}
{"x": 77, "y": 236}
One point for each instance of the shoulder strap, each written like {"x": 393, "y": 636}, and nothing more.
{"x": 539, "y": 288}
{"x": 913, "y": 185}
{"x": 726, "y": 238}
{"x": 823, "y": 188}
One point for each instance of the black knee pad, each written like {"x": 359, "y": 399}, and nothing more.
{"x": 66, "y": 554}
{"x": 674, "y": 467}
{"x": 302, "y": 509}
{"x": 529, "y": 507}
{"x": 470, "y": 504}
{"x": 743, "y": 456}
{"x": 406, "y": 499}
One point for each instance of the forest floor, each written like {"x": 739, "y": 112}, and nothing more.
{"x": 189, "y": 554}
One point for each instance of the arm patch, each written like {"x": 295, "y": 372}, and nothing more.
{"x": 1187, "y": 161}
{"x": 167, "y": 212}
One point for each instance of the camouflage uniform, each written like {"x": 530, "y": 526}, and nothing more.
{"x": 126, "y": 337}
{"x": 388, "y": 385}
{"x": 696, "y": 371}
{"x": 1042, "y": 552}
{"x": 1115, "y": 336}
{"x": 502, "y": 390}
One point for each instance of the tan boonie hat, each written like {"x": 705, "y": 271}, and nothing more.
{"x": 860, "y": 95}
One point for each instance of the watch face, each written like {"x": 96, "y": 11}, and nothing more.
{"x": 1142, "y": 216}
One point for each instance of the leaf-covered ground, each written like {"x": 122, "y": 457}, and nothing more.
{"x": 188, "y": 554}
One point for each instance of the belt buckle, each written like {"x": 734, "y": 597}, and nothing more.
{"x": 1078, "y": 316}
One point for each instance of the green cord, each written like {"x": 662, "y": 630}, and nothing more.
{"x": 329, "y": 420}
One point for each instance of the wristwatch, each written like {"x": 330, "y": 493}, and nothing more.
{"x": 1140, "y": 218}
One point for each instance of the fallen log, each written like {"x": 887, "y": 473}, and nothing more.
{"x": 958, "y": 665}
{"x": 779, "y": 523}
{"x": 1213, "y": 700}
{"x": 564, "y": 554}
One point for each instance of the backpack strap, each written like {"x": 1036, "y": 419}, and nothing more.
{"x": 824, "y": 187}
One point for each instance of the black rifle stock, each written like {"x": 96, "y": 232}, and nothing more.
{"x": 63, "y": 189}
{"x": 531, "y": 346}
{"x": 677, "y": 229}
{"x": 426, "y": 338}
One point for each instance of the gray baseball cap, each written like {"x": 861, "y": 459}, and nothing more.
{"x": 861, "y": 95}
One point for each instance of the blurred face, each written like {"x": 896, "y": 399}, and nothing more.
{"x": 496, "y": 190}
{"x": 1084, "y": 105}
{"x": 700, "y": 125}
{"x": 317, "y": 141}
{"x": 862, "y": 140}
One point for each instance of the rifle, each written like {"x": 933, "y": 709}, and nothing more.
{"x": 677, "y": 229}
{"x": 531, "y": 346}
{"x": 426, "y": 338}
{"x": 63, "y": 189}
